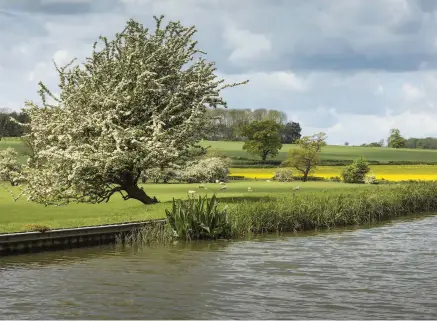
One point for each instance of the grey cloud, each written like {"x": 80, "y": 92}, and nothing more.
{"x": 58, "y": 7}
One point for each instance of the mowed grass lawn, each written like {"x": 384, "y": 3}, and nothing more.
{"x": 15, "y": 216}
{"x": 388, "y": 172}
{"x": 331, "y": 152}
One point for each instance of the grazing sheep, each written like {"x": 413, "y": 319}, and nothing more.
{"x": 268, "y": 181}
{"x": 191, "y": 192}
{"x": 223, "y": 187}
{"x": 222, "y": 183}
{"x": 296, "y": 188}
{"x": 249, "y": 189}
{"x": 201, "y": 186}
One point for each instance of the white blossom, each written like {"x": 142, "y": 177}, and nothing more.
{"x": 136, "y": 104}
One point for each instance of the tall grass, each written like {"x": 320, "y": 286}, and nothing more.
{"x": 326, "y": 210}
{"x": 296, "y": 212}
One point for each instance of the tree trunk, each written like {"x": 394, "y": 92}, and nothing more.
{"x": 264, "y": 156}
{"x": 137, "y": 193}
{"x": 305, "y": 175}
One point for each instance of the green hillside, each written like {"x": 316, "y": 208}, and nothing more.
{"x": 332, "y": 152}
{"x": 329, "y": 153}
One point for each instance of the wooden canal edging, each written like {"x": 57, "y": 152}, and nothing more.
{"x": 30, "y": 242}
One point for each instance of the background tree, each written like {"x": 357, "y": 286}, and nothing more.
{"x": 395, "y": 140}
{"x": 290, "y": 133}
{"x": 262, "y": 138}
{"x": 137, "y": 103}
{"x": 9, "y": 166}
{"x": 306, "y": 156}
{"x": 346, "y": 144}
{"x": 356, "y": 172}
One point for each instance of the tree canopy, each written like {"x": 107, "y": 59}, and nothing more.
{"x": 139, "y": 102}
{"x": 263, "y": 138}
{"x": 306, "y": 155}
{"x": 290, "y": 133}
{"x": 395, "y": 140}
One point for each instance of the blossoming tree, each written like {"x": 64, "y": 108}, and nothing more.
{"x": 138, "y": 102}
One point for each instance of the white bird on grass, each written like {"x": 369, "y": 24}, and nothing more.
{"x": 296, "y": 188}
{"x": 191, "y": 192}
{"x": 222, "y": 183}
{"x": 249, "y": 189}
{"x": 268, "y": 181}
{"x": 223, "y": 187}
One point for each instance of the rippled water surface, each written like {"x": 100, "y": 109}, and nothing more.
{"x": 385, "y": 272}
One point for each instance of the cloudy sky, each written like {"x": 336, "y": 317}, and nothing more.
{"x": 351, "y": 68}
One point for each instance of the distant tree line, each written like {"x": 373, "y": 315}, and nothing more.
{"x": 396, "y": 140}
{"x": 229, "y": 124}
{"x": 8, "y": 128}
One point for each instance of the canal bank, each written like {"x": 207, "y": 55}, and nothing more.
{"x": 31, "y": 242}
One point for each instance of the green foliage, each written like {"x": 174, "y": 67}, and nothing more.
{"x": 356, "y": 172}
{"x": 228, "y": 124}
{"x": 9, "y": 128}
{"x": 198, "y": 219}
{"x": 374, "y": 144}
{"x": 262, "y": 138}
{"x": 283, "y": 175}
{"x": 395, "y": 140}
{"x": 290, "y": 133}
{"x": 306, "y": 156}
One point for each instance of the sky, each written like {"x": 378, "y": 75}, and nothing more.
{"x": 353, "y": 69}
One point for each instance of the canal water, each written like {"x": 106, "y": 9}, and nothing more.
{"x": 383, "y": 272}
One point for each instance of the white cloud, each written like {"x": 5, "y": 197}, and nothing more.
{"x": 62, "y": 57}
{"x": 411, "y": 92}
{"x": 246, "y": 46}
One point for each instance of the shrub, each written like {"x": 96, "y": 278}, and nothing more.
{"x": 9, "y": 167}
{"x": 335, "y": 179}
{"x": 356, "y": 172}
{"x": 283, "y": 175}
{"x": 370, "y": 179}
{"x": 198, "y": 219}
{"x": 236, "y": 178}
{"x": 205, "y": 170}
{"x": 311, "y": 178}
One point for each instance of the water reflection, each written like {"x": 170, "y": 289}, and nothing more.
{"x": 385, "y": 272}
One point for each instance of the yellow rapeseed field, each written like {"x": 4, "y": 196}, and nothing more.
{"x": 388, "y": 172}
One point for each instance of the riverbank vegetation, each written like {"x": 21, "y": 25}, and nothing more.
{"x": 204, "y": 219}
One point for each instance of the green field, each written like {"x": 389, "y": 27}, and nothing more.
{"x": 331, "y": 152}
{"x": 15, "y": 216}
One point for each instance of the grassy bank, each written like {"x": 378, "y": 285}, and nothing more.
{"x": 294, "y": 212}
{"x": 325, "y": 210}
{"x": 15, "y": 216}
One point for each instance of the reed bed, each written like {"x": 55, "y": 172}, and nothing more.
{"x": 325, "y": 210}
